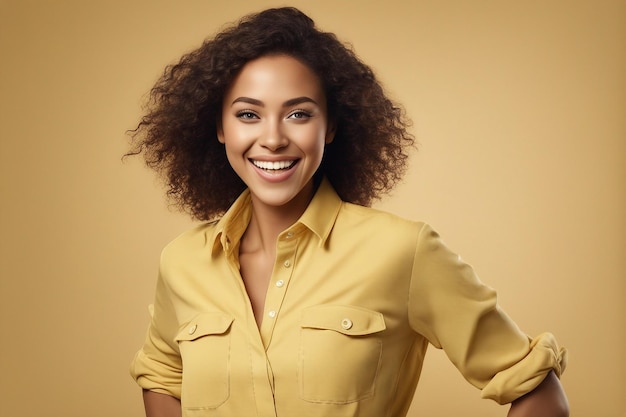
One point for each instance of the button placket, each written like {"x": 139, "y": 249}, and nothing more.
{"x": 285, "y": 256}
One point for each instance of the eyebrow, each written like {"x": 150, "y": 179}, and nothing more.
{"x": 288, "y": 103}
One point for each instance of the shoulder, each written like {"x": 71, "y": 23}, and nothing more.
{"x": 194, "y": 240}
{"x": 360, "y": 213}
{"x": 377, "y": 223}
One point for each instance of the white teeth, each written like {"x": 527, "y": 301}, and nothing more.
{"x": 273, "y": 166}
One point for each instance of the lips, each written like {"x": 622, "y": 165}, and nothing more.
{"x": 273, "y": 166}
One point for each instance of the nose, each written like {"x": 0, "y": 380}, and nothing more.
{"x": 273, "y": 136}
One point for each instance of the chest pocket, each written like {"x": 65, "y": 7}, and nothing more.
{"x": 340, "y": 353}
{"x": 204, "y": 345}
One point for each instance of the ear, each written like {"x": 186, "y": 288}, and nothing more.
{"x": 220, "y": 132}
{"x": 330, "y": 132}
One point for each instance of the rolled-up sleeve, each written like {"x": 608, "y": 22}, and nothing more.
{"x": 456, "y": 312}
{"x": 157, "y": 366}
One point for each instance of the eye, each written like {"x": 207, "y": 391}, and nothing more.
{"x": 299, "y": 114}
{"x": 246, "y": 115}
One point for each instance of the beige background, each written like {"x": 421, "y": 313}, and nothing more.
{"x": 520, "y": 111}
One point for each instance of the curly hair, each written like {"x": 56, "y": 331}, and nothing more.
{"x": 178, "y": 133}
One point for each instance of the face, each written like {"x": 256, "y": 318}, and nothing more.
{"x": 274, "y": 127}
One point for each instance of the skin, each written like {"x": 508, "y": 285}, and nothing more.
{"x": 547, "y": 400}
{"x": 275, "y": 111}
{"x": 161, "y": 405}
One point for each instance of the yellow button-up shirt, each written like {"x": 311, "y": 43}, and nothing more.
{"x": 355, "y": 297}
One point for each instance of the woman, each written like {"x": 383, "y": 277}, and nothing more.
{"x": 296, "y": 299}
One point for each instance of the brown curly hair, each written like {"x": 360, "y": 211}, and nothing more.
{"x": 178, "y": 134}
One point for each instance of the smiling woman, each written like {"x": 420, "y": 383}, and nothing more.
{"x": 299, "y": 299}
{"x": 275, "y": 127}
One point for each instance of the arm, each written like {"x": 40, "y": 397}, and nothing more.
{"x": 547, "y": 400}
{"x": 161, "y": 405}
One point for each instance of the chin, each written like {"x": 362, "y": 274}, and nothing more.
{"x": 281, "y": 198}
{"x": 276, "y": 200}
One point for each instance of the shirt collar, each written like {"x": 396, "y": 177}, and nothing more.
{"x": 321, "y": 214}
{"x": 319, "y": 218}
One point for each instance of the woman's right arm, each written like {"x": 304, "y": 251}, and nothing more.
{"x": 161, "y": 405}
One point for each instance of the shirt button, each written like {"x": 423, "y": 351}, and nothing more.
{"x": 193, "y": 328}
{"x": 346, "y": 324}
{"x": 280, "y": 283}
{"x": 287, "y": 264}
{"x": 289, "y": 235}
{"x": 272, "y": 314}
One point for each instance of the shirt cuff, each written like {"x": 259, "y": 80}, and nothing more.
{"x": 544, "y": 356}
{"x": 153, "y": 376}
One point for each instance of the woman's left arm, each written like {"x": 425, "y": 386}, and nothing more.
{"x": 547, "y": 400}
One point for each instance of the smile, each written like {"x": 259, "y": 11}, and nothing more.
{"x": 274, "y": 165}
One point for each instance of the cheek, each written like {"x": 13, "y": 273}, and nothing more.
{"x": 234, "y": 148}
{"x": 235, "y": 139}
{"x": 234, "y": 155}
{"x": 313, "y": 141}
{"x": 319, "y": 145}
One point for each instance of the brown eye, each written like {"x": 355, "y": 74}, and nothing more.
{"x": 299, "y": 114}
{"x": 246, "y": 115}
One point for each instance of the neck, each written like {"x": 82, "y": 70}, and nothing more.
{"x": 267, "y": 222}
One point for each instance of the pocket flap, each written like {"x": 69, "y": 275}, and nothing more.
{"x": 349, "y": 320}
{"x": 204, "y": 324}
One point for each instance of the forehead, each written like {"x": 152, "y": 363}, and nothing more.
{"x": 275, "y": 77}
